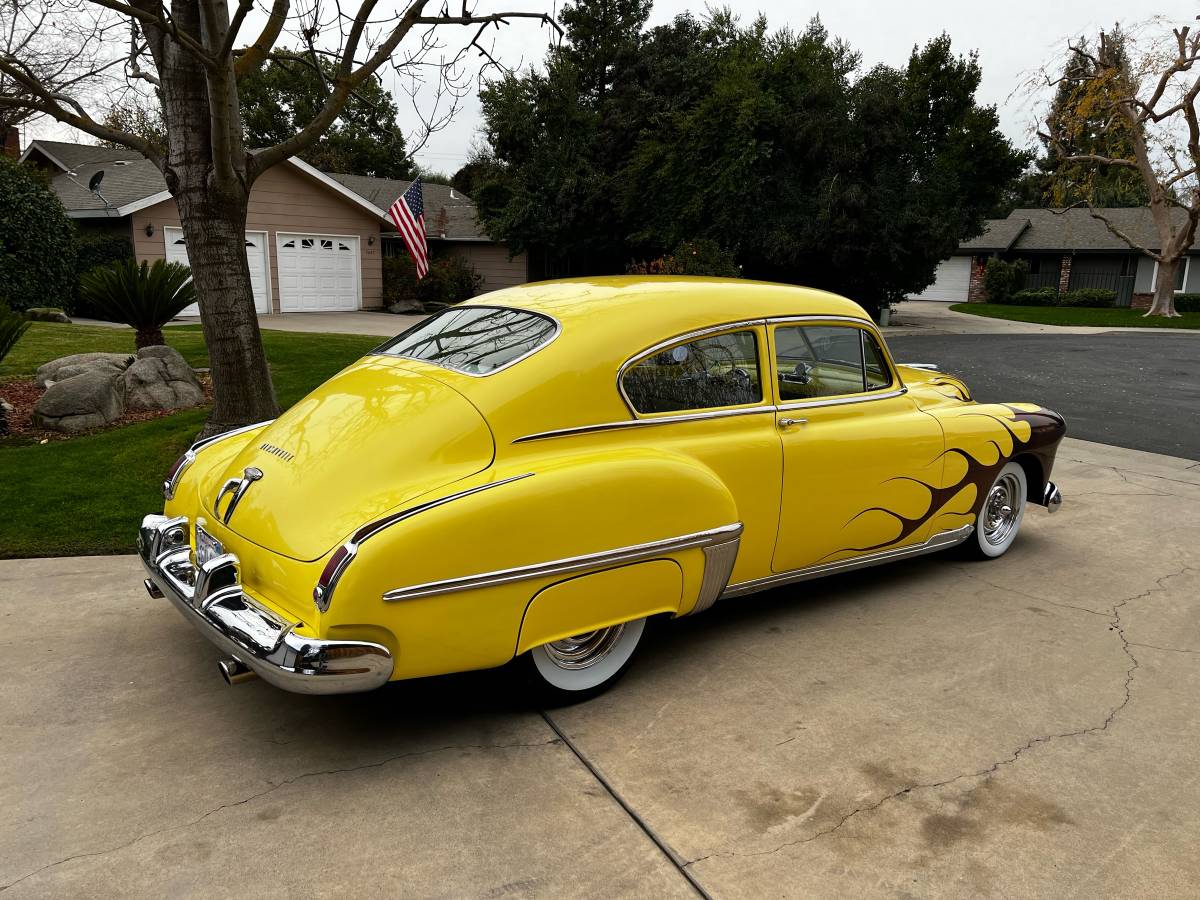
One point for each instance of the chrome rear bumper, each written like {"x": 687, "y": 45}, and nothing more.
{"x": 211, "y": 598}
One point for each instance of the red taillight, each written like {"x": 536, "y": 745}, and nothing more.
{"x": 323, "y": 592}
{"x": 175, "y": 467}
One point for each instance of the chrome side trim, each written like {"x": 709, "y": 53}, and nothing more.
{"x": 718, "y": 566}
{"x": 643, "y": 423}
{"x": 323, "y": 593}
{"x": 569, "y": 564}
{"x": 844, "y": 400}
{"x": 939, "y": 541}
{"x": 512, "y": 362}
{"x": 928, "y": 367}
{"x": 189, "y": 455}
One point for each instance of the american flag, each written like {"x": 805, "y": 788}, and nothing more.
{"x": 408, "y": 212}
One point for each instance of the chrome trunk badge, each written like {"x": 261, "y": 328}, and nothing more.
{"x": 238, "y": 487}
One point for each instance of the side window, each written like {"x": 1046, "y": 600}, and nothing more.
{"x": 827, "y": 361}
{"x": 703, "y": 374}
{"x": 879, "y": 376}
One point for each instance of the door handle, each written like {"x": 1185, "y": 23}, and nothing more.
{"x": 788, "y": 423}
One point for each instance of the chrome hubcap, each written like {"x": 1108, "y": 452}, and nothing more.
{"x": 582, "y": 650}
{"x": 1001, "y": 511}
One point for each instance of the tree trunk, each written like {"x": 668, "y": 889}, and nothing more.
{"x": 206, "y": 172}
{"x": 149, "y": 337}
{"x": 1163, "y": 303}
{"x": 214, "y": 227}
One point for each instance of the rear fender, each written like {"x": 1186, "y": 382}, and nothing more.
{"x": 569, "y": 507}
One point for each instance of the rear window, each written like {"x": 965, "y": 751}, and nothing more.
{"x": 476, "y": 340}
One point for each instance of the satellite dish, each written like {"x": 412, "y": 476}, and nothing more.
{"x": 94, "y": 181}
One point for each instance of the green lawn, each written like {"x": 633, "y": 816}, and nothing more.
{"x": 1058, "y": 315}
{"x": 87, "y": 495}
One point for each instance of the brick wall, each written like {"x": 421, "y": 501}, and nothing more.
{"x": 1141, "y": 301}
{"x": 12, "y": 141}
{"x": 975, "y": 289}
{"x": 1064, "y": 276}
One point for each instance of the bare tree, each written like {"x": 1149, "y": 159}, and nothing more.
{"x": 191, "y": 54}
{"x": 1150, "y": 92}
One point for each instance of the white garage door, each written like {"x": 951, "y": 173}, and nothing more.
{"x": 256, "y": 255}
{"x": 951, "y": 281}
{"x": 317, "y": 272}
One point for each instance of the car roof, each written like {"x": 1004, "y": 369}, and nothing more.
{"x": 663, "y": 305}
{"x": 572, "y": 379}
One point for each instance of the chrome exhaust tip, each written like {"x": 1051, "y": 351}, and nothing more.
{"x": 1053, "y": 497}
{"x": 234, "y": 671}
{"x": 152, "y": 589}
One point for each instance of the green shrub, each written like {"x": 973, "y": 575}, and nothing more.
{"x": 1187, "y": 302}
{"x": 145, "y": 297}
{"x": 95, "y": 248}
{"x": 1090, "y": 297}
{"x": 695, "y": 257}
{"x": 37, "y": 249}
{"x": 451, "y": 279}
{"x": 12, "y": 326}
{"x": 1034, "y": 297}
{"x": 1002, "y": 280}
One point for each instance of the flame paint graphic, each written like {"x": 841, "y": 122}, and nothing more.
{"x": 981, "y": 450}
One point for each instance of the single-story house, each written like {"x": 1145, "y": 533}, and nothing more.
{"x": 315, "y": 240}
{"x": 1065, "y": 249}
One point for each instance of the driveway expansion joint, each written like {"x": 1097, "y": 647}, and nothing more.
{"x": 260, "y": 794}
{"x": 1116, "y": 625}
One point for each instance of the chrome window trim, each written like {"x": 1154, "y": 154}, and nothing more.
{"x": 633, "y": 553}
{"x": 323, "y": 596}
{"x": 842, "y": 399}
{"x": 189, "y": 456}
{"x": 939, "y": 541}
{"x": 684, "y": 339}
{"x": 512, "y": 362}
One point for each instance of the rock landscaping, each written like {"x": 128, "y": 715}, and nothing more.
{"x": 47, "y": 314}
{"x": 90, "y": 390}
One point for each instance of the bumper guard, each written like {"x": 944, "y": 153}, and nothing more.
{"x": 211, "y": 598}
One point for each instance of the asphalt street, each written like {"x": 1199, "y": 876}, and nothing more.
{"x": 1140, "y": 391}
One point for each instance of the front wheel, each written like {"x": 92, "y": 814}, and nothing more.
{"x": 1000, "y": 516}
{"x": 583, "y": 665}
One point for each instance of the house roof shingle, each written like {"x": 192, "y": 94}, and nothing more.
{"x": 129, "y": 178}
{"x": 1068, "y": 231}
{"x": 446, "y": 210}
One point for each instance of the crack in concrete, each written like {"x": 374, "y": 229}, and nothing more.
{"x": 1167, "y": 649}
{"x": 260, "y": 794}
{"x": 1115, "y": 625}
{"x": 1009, "y": 589}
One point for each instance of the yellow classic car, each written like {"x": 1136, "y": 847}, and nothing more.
{"x": 538, "y": 472}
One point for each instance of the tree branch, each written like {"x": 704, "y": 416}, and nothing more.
{"x": 182, "y": 38}
{"x": 256, "y": 53}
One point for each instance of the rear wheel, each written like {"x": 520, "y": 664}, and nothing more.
{"x": 584, "y": 665}
{"x": 999, "y": 518}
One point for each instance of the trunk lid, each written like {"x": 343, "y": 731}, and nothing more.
{"x": 364, "y": 443}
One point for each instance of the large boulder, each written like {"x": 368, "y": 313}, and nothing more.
{"x": 88, "y": 400}
{"x": 160, "y": 378}
{"x": 47, "y": 314}
{"x": 407, "y": 307}
{"x": 65, "y": 367}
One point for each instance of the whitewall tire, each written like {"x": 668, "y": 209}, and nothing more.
{"x": 583, "y": 665}
{"x": 1000, "y": 516}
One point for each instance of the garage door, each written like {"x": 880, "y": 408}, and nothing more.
{"x": 951, "y": 281}
{"x": 317, "y": 272}
{"x": 256, "y": 255}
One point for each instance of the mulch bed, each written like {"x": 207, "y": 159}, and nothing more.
{"x": 23, "y": 394}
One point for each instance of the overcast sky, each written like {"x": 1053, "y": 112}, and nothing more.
{"x": 1012, "y": 38}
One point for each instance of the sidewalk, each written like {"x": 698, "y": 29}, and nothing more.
{"x": 932, "y": 317}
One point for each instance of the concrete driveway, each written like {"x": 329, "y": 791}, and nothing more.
{"x": 1020, "y": 728}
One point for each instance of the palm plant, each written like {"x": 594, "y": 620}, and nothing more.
{"x": 144, "y": 296}
{"x": 12, "y": 326}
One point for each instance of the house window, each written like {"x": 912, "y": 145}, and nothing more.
{"x": 306, "y": 243}
{"x": 1182, "y": 270}
{"x": 712, "y": 372}
{"x": 290, "y": 245}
